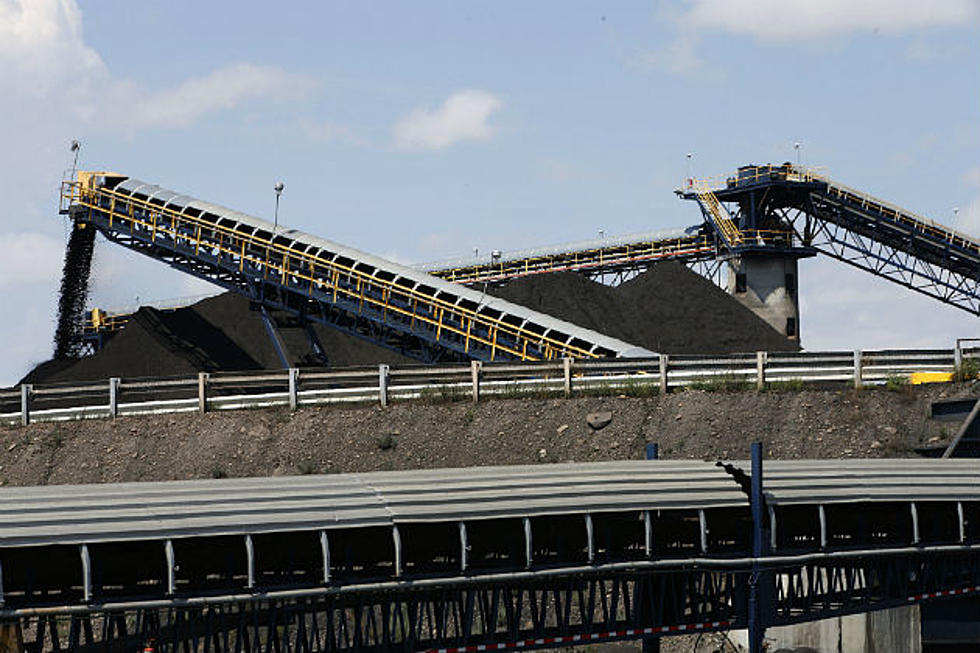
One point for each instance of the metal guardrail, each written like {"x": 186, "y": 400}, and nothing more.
{"x": 118, "y": 397}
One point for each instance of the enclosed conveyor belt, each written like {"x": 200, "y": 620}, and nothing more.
{"x": 849, "y": 225}
{"x": 614, "y": 254}
{"x": 285, "y": 269}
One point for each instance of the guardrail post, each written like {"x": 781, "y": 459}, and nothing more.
{"x": 293, "y": 383}
{"x": 858, "y": 371}
{"x": 566, "y": 366}
{"x": 26, "y": 390}
{"x": 202, "y": 392}
{"x": 476, "y": 369}
{"x": 760, "y": 370}
{"x": 383, "y": 371}
{"x": 664, "y": 362}
{"x": 114, "y": 397}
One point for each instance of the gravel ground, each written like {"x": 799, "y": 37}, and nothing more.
{"x": 411, "y": 435}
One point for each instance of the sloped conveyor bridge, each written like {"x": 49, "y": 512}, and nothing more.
{"x": 284, "y": 269}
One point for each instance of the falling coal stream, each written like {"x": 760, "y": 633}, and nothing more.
{"x": 74, "y": 289}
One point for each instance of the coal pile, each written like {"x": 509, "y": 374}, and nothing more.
{"x": 667, "y": 309}
{"x": 221, "y": 333}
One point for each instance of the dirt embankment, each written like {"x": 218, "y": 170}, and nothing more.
{"x": 693, "y": 424}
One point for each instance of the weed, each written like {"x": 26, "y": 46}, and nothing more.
{"x": 307, "y": 467}
{"x": 968, "y": 369}
{"x": 218, "y": 472}
{"x": 442, "y": 393}
{"x": 789, "y": 385}
{"x": 896, "y": 383}
{"x": 720, "y": 384}
{"x": 387, "y": 442}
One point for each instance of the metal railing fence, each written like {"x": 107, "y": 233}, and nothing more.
{"x": 472, "y": 381}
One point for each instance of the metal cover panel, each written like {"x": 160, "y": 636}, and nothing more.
{"x": 158, "y": 510}
{"x": 452, "y": 292}
{"x": 882, "y": 479}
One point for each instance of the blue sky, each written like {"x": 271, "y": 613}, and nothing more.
{"x": 420, "y": 130}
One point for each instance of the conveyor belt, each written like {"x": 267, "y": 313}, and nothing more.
{"x": 613, "y": 254}
{"x": 286, "y": 269}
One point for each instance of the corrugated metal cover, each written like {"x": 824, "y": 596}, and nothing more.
{"x": 328, "y": 250}
{"x": 880, "y": 479}
{"x": 560, "y": 249}
{"x": 130, "y": 511}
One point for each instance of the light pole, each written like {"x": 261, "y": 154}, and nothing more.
{"x": 690, "y": 175}
{"x": 279, "y": 186}
{"x": 956, "y": 216}
{"x": 74, "y": 147}
{"x": 799, "y": 154}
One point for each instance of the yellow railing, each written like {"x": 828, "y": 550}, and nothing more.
{"x": 579, "y": 260}
{"x": 719, "y": 215}
{"x": 318, "y": 275}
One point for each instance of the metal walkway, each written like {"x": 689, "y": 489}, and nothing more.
{"x": 284, "y": 269}
{"x": 604, "y": 255}
{"x": 496, "y": 557}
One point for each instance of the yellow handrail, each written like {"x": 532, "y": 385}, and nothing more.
{"x": 719, "y": 215}
{"x": 578, "y": 260}
{"x": 319, "y": 274}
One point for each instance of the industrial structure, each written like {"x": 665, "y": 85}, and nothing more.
{"x": 493, "y": 557}
{"x": 757, "y": 223}
{"x": 284, "y": 269}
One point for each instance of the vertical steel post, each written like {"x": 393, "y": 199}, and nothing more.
{"x": 114, "y": 397}
{"x": 756, "y": 625}
{"x": 476, "y": 369}
{"x": 957, "y": 358}
{"x": 1, "y": 583}
{"x": 664, "y": 362}
{"x": 325, "y": 554}
{"x": 86, "y": 573}
{"x": 528, "y": 546}
{"x": 396, "y": 539}
{"x": 250, "y": 561}
{"x": 858, "y": 369}
{"x": 653, "y": 451}
{"x": 293, "y": 387}
{"x": 202, "y": 392}
{"x": 26, "y": 390}
{"x": 567, "y": 376}
{"x": 464, "y": 547}
{"x": 590, "y": 536}
{"x": 650, "y": 644}
{"x": 760, "y": 370}
{"x": 168, "y": 554}
{"x": 383, "y": 384}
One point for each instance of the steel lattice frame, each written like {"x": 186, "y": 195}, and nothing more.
{"x": 901, "y": 266}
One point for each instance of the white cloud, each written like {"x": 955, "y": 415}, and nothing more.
{"x": 679, "y": 57}
{"x": 464, "y": 116}
{"x": 29, "y": 258}
{"x": 43, "y": 55}
{"x": 225, "y": 88}
{"x": 790, "y": 20}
